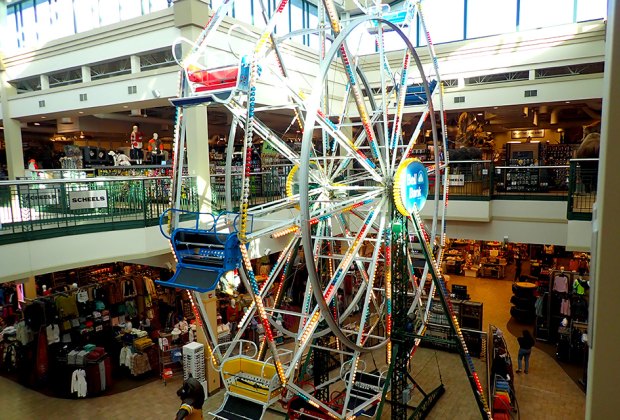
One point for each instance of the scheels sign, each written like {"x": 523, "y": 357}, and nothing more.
{"x": 88, "y": 199}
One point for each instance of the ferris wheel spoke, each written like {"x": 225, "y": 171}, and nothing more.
{"x": 360, "y": 266}
{"x": 264, "y": 132}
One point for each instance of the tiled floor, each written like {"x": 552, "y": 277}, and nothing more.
{"x": 546, "y": 393}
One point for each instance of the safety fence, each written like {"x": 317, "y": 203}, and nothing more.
{"x": 38, "y": 209}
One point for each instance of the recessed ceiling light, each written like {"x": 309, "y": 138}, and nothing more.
{"x": 43, "y": 118}
{"x": 568, "y": 102}
{"x": 480, "y": 114}
{"x": 125, "y": 106}
{"x": 37, "y": 123}
{"x": 494, "y": 107}
{"x": 80, "y": 112}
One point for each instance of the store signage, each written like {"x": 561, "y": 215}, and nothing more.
{"x": 410, "y": 186}
{"x": 30, "y": 197}
{"x": 456, "y": 180}
{"x": 88, "y": 199}
{"x": 523, "y": 134}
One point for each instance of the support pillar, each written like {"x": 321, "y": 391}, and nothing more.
{"x": 12, "y": 130}
{"x": 604, "y": 329}
{"x": 190, "y": 16}
{"x": 30, "y": 287}
{"x": 209, "y": 302}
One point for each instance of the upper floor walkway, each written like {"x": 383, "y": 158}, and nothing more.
{"x": 73, "y": 220}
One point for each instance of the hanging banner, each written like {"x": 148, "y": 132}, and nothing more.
{"x": 88, "y": 199}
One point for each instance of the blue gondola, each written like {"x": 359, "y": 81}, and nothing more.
{"x": 203, "y": 255}
{"x": 415, "y": 94}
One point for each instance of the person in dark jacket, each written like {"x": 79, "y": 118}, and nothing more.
{"x": 526, "y": 342}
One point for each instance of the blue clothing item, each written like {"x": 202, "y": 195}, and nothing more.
{"x": 524, "y": 354}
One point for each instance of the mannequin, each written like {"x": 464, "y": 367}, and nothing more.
{"x": 136, "y": 144}
{"x": 155, "y": 149}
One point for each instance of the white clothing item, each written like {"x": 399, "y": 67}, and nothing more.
{"x": 23, "y": 333}
{"x": 78, "y": 383}
{"x": 53, "y": 333}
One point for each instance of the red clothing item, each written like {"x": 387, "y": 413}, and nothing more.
{"x": 232, "y": 313}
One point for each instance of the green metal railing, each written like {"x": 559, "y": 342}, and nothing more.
{"x": 31, "y": 210}
{"x": 37, "y": 209}
{"x": 582, "y": 188}
{"x": 265, "y": 186}
{"x": 468, "y": 180}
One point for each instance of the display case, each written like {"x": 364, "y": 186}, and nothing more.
{"x": 471, "y": 315}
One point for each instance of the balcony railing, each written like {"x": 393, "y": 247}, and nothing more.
{"x": 39, "y": 209}
{"x": 543, "y": 183}
{"x": 582, "y": 187}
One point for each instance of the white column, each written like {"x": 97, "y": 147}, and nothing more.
{"x": 135, "y": 64}
{"x": 45, "y": 81}
{"x": 86, "y": 75}
{"x": 190, "y": 17}
{"x": 604, "y": 333}
{"x": 12, "y": 131}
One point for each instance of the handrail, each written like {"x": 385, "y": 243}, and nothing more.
{"x": 80, "y": 180}
{"x": 470, "y": 161}
{"x": 533, "y": 167}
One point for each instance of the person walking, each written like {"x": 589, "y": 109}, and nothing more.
{"x": 526, "y": 342}
{"x": 518, "y": 263}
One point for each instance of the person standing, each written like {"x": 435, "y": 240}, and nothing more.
{"x": 526, "y": 342}
{"x": 517, "y": 266}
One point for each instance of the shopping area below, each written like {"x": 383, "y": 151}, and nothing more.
{"x": 106, "y": 329}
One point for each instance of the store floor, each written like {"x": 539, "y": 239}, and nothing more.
{"x": 546, "y": 392}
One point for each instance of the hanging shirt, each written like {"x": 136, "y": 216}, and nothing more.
{"x": 565, "y": 307}
{"x": 560, "y": 283}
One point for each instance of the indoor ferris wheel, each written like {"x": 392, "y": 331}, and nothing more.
{"x": 350, "y": 209}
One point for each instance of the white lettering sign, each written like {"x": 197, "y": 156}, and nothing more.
{"x": 456, "y": 180}
{"x": 88, "y": 199}
{"x": 32, "y": 197}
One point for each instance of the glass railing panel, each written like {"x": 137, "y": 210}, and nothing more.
{"x": 543, "y": 183}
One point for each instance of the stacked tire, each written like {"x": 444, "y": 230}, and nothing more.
{"x": 523, "y": 301}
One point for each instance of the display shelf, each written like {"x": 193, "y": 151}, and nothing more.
{"x": 170, "y": 358}
{"x": 471, "y": 315}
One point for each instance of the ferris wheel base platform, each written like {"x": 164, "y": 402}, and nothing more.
{"x": 235, "y": 408}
